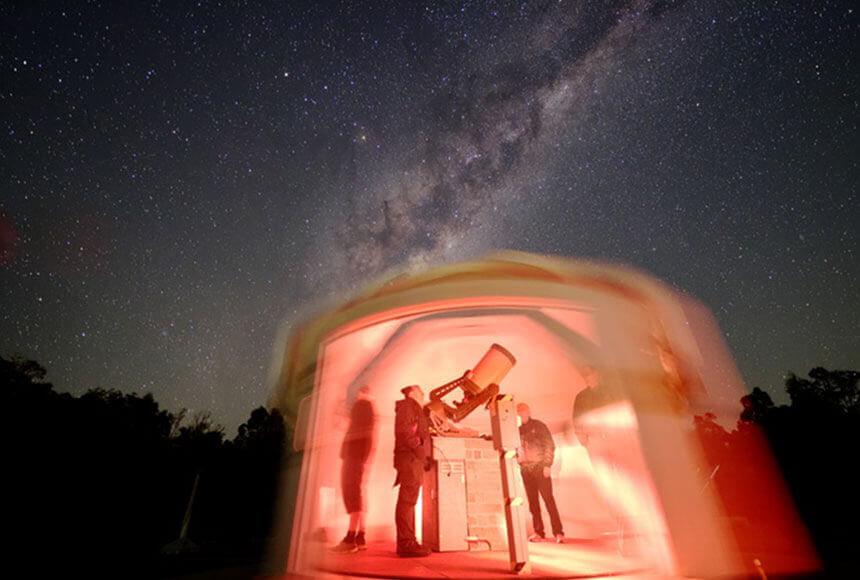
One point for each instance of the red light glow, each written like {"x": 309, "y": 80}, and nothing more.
{"x": 637, "y": 497}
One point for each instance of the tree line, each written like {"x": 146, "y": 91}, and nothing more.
{"x": 101, "y": 482}
{"x": 815, "y": 441}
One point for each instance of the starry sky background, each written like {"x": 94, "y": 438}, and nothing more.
{"x": 180, "y": 179}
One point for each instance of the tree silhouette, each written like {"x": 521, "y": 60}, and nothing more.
{"x": 19, "y": 370}
{"x": 813, "y": 440}
{"x": 263, "y": 428}
{"x": 103, "y": 479}
{"x": 756, "y": 407}
{"x": 257, "y": 453}
{"x": 827, "y": 392}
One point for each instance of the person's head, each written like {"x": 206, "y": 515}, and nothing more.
{"x": 524, "y": 411}
{"x": 413, "y": 392}
{"x": 363, "y": 392}
{"x": 590, "y": 376}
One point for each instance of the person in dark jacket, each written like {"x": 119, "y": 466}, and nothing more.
{"x": 537, "y": 453}
{"x": 355, "y": 451}
{"x": 411, "y": 450}
{"x": 592, "y": 398}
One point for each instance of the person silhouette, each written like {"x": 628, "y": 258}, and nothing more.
{"x": 536, "y": 457}
{"x": 411, "y": 450}
{"x": 355, "y": 451}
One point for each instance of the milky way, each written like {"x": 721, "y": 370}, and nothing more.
{"x": 179, "y": 181}
{"x": 481, "y": 136}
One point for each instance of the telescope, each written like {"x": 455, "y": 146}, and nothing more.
{"x": 448, "y": 519}
{"x": 479, "y": 386}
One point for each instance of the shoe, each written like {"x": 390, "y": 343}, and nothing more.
{"x": 413, "y": 550}
{"x": 536, "y": 538}
{"x": 360, "y": 542}
{"x": 559, "y": 538}
{"x": 346, "y": 546}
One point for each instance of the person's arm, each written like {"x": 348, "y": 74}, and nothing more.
{"x": 579, "y": 409}
{"x": 548, "y": 448}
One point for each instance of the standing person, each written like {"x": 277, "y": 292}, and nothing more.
{"x": 411, "y": 449}
{"x": 591, "y": 398}
{"x": 604, "y": 444}
{"x": 355, "y": 450}
{"x": 536, "y": 457}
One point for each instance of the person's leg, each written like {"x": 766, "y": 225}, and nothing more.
{"x": 409, "y": 474}
{"x": 410, "y": 477}
{"x": 352, "y": 481}
{"x": 352, "y": 503}
{"x": 532, "y": 494}
{"x": 404, "y": 512}
{"x": 551, "y": 507}
{"x": 360, "y": 540}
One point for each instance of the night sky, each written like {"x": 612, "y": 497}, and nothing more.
{"x": 180, "y": 179}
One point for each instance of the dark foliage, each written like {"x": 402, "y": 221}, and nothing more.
{"x": 814, "y": 440}
{"x": 826, "y": 392}
{"x": 101, "y": 482}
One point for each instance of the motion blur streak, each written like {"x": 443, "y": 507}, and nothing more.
{"x": 606, "y": 357}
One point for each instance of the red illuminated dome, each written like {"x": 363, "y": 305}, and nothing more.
{"x": 629, "y": 474}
